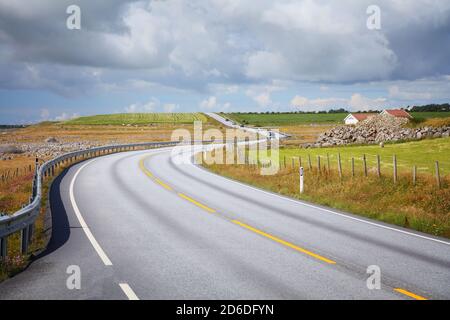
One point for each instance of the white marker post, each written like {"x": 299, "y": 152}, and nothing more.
{"x": 301, "y": 179}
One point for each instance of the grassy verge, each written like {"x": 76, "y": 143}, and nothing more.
{"x": 422, "y": 207}
{"x": 421, "y": 153}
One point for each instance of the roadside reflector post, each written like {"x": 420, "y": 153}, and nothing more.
{"x": 301, "y": 180}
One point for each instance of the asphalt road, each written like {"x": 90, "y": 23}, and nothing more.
{"x": 141, "y": 225}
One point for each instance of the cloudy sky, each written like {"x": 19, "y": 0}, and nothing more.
{"x": 219, "y": 55}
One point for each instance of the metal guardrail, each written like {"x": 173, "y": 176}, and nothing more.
{"x": 24, "y": 219}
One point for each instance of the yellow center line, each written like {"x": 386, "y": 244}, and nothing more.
{"x": 144, "y": 169}
{"x": 410, "y": 294}
{"x": 166, "y": 186}
{"x": 196, "y": 203}
{"x": 287, "y": 244}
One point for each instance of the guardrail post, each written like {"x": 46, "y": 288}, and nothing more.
{"x": 25, "y": 240}
{"x": 3, "y": 247}
{"x": 30, "y": 232}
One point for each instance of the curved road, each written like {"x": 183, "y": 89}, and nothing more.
{"x": 139, "y": 225}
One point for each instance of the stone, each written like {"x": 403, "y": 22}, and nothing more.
{"x": 51, "y": 140}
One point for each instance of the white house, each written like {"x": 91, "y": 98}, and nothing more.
{"x": 354, "y": 118}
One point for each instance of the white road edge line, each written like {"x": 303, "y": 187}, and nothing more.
{"x": 326, "y": 210}
{"x": 128, "y": 291}
{"x": 83, "y": 224}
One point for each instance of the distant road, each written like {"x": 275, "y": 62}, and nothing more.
{"x": 232, "y": 124}
{"x": 140, "y": 226}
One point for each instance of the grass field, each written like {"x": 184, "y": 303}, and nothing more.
{"x": 286, "y": 119}
{"x": 421, "y": 153}
{"x": 139, "y": 119}
{"x": 422, "y": 116}
{"x": 281, "y": 119}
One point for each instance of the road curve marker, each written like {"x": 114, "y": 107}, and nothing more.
{"x": 285, "y": 243}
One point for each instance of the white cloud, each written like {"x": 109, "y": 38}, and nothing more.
{"x": 45, "y": 114}
{"x": 212, "y": 104}
{"x": 66, "y": 116}
{"x": 354, "y": 103}
{"x": 359, "y": 102}
{"x": 143, "y": 108}
{"x": 209, "y": 103}
{"x": 396, "y": 92}
{"x": 263, "y": 99}
{"x": 170, "y": 107}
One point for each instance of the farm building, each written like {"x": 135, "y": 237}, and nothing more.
{"x": 398, "y": 113}
{"x": 354, "y": 118}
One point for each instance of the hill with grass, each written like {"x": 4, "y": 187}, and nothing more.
{"x": 139, "y": 119}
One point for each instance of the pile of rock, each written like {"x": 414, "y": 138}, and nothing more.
{"x": 377, "y": 129}
{"x": 51, "y": 148}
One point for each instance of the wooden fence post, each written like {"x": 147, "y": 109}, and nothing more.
{"x": 318, "y": 163}
{"x": 438, "y": 177}
{"x": 365, "y": 165}
{"x": 414, "y": 175}
{"x": 339, "y": 165}
{"x": 328, "y": 162}
{"x": 378, "y": 166}
{"x": 309, "y": 162}
{"x": 353, "y": 166}
{"x": 395, "y": 168}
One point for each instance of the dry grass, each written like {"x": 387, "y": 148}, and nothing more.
{"x": 423, "y": 207}
{"x": 95, "y": 133}
{"x": 301, "y": 134}
{"x": 16, "y": 261}
{"x": 437, "y": 122}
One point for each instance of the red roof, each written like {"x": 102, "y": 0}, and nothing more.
{"x": 398, "y": 113}
{"x": 362, "y": 116}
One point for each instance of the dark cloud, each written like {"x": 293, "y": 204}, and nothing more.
{"x": 192, "y": 44}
